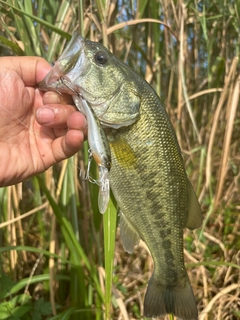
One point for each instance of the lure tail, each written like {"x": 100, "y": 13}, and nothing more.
{"x": 161, "y": 300}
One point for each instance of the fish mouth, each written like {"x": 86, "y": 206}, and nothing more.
{"x": 69, "y": 66}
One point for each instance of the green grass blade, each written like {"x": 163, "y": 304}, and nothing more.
{"x": 14, "y": 46}
{"x": 41, "y": 21}
{"x": 142, "y": 6}
{"x": 56, "y": 41}
{"x": 65, "y": 315}
{"x": 33, "y": 249}
{"x": 21, "y": 284}
{"x": 109, "y": 225}
{"x": 75, "y": 248}
{"x": 30, "y": 29}
{"x": 22, "y": 31}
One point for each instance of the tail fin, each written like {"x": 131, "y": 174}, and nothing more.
{"x": 161, "y": 300}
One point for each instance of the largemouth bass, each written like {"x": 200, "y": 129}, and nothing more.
{"x": 147, "y": 175}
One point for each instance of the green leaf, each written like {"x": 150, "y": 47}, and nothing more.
{"x": 20, "y": 311}
{"x": 6, "y": 284}
{"x": 13, "y": 309}
{"x": 5, "y": 308}
{"x": 41, "y": 308}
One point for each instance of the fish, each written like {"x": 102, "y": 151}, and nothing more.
{"x": 147, "y": 175}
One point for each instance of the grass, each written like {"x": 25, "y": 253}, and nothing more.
{"x": 56, "y": 248}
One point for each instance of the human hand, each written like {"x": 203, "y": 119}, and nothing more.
{"x": 36, "y": 130}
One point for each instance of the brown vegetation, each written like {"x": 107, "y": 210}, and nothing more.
{"x": 189, "y": 52}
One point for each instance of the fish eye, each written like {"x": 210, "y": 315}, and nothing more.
{"x": 101, "y": 57}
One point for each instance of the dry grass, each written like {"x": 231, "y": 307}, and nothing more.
{"x": 189, "y": 52}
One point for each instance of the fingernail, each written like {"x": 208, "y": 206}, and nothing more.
{"x": 51, "y": 97}
{"x": 45, "y": 115}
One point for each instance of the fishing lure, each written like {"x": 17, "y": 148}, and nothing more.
{"x": 99, "y": 148}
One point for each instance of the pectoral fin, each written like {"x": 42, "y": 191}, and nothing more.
{"x": 123, "y": 152}
{"x": 128, "y": 234}
{"x": 194, "y": 213}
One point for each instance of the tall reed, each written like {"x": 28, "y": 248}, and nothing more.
{"x": 56, "y": 249}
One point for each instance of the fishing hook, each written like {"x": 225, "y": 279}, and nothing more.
{"x": 86, "y": 176}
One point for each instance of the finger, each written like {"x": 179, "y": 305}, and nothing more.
{"x": 77, "y": 121}
{"x": 66, "y": 146}
{"x": 56, "y": 98}
{"x": 56, "y": 116}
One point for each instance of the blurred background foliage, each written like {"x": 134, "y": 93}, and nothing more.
{"x": 53, "y": 264}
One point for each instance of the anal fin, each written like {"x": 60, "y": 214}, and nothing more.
{"x": 128, "y": 234}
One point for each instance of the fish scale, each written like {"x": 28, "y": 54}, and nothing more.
{"x": 147, "y": 175}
